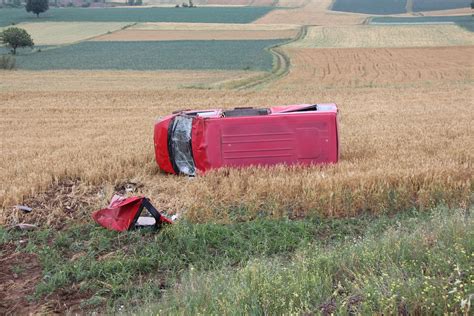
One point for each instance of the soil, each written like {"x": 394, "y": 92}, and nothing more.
{"x": 19, "y": 275}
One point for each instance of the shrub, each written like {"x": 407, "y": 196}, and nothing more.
{"x": 7, "y": 62}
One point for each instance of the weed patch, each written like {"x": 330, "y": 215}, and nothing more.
{"x": 97, "y": 268}
{"x": 423, "y": 269}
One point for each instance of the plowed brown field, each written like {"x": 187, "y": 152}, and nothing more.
{"x": 176, "y": 35}
{"x": 358, "y": 67}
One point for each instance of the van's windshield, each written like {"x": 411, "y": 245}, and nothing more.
{"x": 179, "y": 145}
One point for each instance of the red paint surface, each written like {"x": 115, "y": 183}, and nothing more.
{"x": 119, "y": 214}
{"x": 161, "y": 144}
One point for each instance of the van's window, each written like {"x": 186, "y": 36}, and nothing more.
{"x": 245, "y": 112}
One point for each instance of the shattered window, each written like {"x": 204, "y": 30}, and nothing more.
{"x": 179, "y": 145}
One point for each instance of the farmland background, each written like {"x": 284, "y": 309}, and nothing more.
{"x": 386, "y": 230}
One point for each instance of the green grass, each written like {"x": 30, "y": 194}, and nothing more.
{"x": 263, "y": 266}
{"x": 432, "y": 5}
{"x": 370, "y": 6}
{"x": 458, "y": 19}
{"x": 396, "y": 6}
{"x": 194, "y": 15}
{"x": 228, "y": 55}
{"x": 414, "y": 269}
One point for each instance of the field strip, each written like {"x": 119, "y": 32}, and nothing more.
{"x": 281, "y": 66}
{"x": 452, "y": 12}
{"x": 60, "y": 33}
{"x": 115, "y": 80}
{"x": 399, "y": 146}
{"x": 371, "y": 67}
{"x": 154, "y": 55}
{"x": 386, "y": 36}
{"x": 183, "y": 35}
{"x": 165, "y": 26}
{"x": 313, "y": 12}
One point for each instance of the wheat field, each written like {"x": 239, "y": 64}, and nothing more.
{"x": 402, "y": 147}
{"x": 70, "y": 139}
{"x": 96, "y": 80}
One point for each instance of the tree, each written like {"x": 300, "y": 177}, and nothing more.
{"x": 37, "y": 6}
{"x": 14, "y": 37}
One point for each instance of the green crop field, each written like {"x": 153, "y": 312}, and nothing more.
{"x": 195, "y": 15}
{"x": 458, "y": 19}
{"x": 396, "y": 6}
{"x": 370, "y": 6}
{"x": 465, "y": 21}
{"x": 152, "y": 55}
{"x": 432, "y": 5}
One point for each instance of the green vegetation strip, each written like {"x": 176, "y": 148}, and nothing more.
{"x": 409, "y": 269}
{"x": 413, "y": 263}
{"x": 169, "y": 55}
{"x": 465, "y": 21}
{"x": 396, "y": 6}
{"x": 370, "y": 6}
{"x": 192, "y": 15}
{"x": 433, "y": 5}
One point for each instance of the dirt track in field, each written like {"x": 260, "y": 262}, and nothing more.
{"x": 177, "y": 35}
{"x": 355, "y": 67}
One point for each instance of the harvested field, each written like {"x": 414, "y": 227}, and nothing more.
{"x": 57, "y": 33}
{"x": 178, "y": 35}
{"x": 229, "y": 2}
{"x": 402, "y": 147}
{"x": 292, "y": 3}
{"x": 97, "y": 80}
{"x": 151, "y": 26}
{"x": 263, "y": 3}
{"x": 386, "y": 36}
{"x": 349, "y": 67}
{"x": 315, "y": 12}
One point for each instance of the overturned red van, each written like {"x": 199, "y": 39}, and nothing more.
{"x": 188, "y": 142}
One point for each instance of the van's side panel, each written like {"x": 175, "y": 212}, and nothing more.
{"x": 297, "y": 138}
